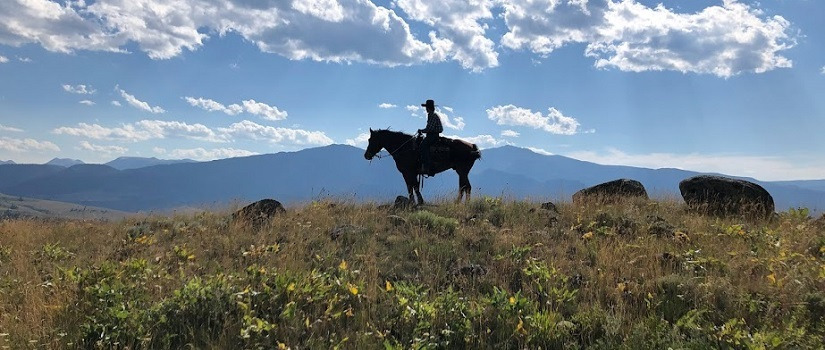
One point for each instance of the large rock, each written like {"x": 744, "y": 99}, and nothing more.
{"x": 258, "y": 213}
{"x": 716, "y": 195}
{"x": 612, "y": 190}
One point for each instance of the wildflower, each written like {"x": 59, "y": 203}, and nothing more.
{"x": 388, "y": 286}
{"x": 343, "y": 265}
{"x": 352, "y": 288}
{"x": 512, "y": 301}
{"x": 588, "y": 235}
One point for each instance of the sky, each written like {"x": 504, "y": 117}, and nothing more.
{"x": 721, "y": 86}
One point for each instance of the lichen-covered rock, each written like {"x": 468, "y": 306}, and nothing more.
{"x": 612, "y": 190}
{"x": 259, "y": 213}
{"x": 716, "y": 195}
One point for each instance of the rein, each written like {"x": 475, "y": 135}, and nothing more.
{"x": 390, "y": 154}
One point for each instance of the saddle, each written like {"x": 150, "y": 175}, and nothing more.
{"x": 439, "y": 150}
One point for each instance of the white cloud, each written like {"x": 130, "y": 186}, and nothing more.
{"x": 264, "y": 110}
{"x": 726, "y": 39}
{"x": 87, "y": 102}
{"x": 456, "y": 123}
{"x": 482, "y": 141}
{"x": 251, "y": 130}
{"x": 540, "y": 151}
{"x": 360, "y": 140}
{"x": 143, "y": 130}
{"x": 760, "y": 167}
{"x": 331, "y": 30}
{"x": 204, "y": 154}
{"x": 26, "y": 145}
{"x": 24, "y": 59}
{"x": 554, "y": 122}
{"x": 823, "y": 70}
{"x": 448, "y": 109}
{"x": 3, "y": 59}
{"x": 510, "y": 133}
{"x": 462, "y": 35}
{"x": 134, "y": 102}
{"x": 79, "y": 89}
{"x": 116, "y": 103}
{"x": 9, "y": 128}
{"x": 722, "y": 40}
{"x": 386, "y": 105}
{"x": 107, "y": 150}
{"x": 213, "y": 106}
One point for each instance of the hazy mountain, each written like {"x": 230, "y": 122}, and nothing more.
{"x": 15, "y": 207}
{"x": 64, "y": 162}
{"x": 125, "y": 163}
{"x": 341, "y": 172}
{"x": 7, "y": 162}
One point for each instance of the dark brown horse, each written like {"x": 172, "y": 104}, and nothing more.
{"x": 403, "y": 148}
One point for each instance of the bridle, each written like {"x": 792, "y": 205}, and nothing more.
{"x": 390, "y": 154}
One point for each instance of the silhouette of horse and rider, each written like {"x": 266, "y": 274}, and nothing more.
{"x": 416, "y": 156}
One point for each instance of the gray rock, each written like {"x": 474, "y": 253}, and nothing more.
{"x": 612, "y": 190}
{"x": 549, "y": 206}
{"x": 716, "y": 195}
{"x": 397, "y": 220}
{"x": 259, "y": 213}
{"x": 470, "y": 270}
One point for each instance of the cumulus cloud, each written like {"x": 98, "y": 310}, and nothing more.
{"x": 540, "y": 151}
{"x": 87, "y": 102}
{"x": 116, "y": 103}
{"x": 331, "y": 30}
{"x": 213, "y": 106}
{"x": 134, "y": 102}
{"x": 482, "y": 141}
{"x": 3, "y": 59}
{"x": 251, "y": 130}
{"x": 386, "y": 105}
{"x": 204, "y": 154}
{"x": 554, "y": 122}
{"x": 414, "y": 110}
{"x": 264, "y": 110}
{"x": 79, "y": 89}
{"x": 9, "y": 128}
{"x": 726, "y": 39}
{"x": 459, "y": 24}
{"x": 764, "y": 168}
{"x": 26, "y": 145}
{"x": 510, "y": 133}
{"x": 107, "y": 150}
{"x": 250, "y": 106}
{"x": 823, "y": 70}
{"x": 456, "y": 123}
{"x": 722, "y": 40}
{"x": 143, "y": 130}
{"x": 360, "y": 140}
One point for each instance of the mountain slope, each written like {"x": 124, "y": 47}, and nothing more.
{"x": 126, "y": 163}
{"x": 64, "y": 162}
{"x": 340, "y": 171}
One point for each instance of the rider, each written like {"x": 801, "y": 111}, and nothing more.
{"x": 432, "y": 130}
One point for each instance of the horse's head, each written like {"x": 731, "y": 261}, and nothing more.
{"x": 374, "y": 146}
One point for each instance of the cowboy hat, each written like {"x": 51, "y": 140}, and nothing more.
{"x": 429, "y": 103}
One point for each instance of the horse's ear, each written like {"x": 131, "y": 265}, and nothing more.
{"x": 370, "y": 130}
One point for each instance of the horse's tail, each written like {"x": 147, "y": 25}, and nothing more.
{"x": 476, "y": 154}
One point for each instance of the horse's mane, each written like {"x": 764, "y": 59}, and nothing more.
{"x": 393, "y": 132}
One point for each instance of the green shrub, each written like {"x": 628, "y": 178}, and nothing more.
{"x": 433, "y": 222}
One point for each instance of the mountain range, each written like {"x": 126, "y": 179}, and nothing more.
{"x": 340, "y": 172}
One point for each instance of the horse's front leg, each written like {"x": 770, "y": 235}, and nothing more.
{"x": 412, "y": 185}
{"x": 418, "y": 192}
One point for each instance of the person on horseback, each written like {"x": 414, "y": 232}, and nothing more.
{"x": 432, "y": 130}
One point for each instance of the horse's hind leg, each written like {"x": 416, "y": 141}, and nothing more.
{"x": 412, "y": 184}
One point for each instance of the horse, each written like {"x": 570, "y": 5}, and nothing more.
{"x": 403, "y": 149}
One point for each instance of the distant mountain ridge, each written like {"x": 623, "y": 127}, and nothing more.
{"x": 126, "y": 163}
{"x": 64, "y": 162}
{"x": 341, "y": 172}
{"x": 7, "y": 162}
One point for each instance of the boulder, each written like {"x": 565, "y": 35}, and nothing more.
{"x": 716, "y": 195}
{"x": 259, "y": 213}
{"x": 612, "y": 190}
{"x": 549, "y": 206}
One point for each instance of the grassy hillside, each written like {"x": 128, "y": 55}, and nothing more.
{"x": 16, "y": 207}
{"x": 490, "y": 274}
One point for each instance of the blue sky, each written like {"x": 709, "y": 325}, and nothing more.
{"x": 727, "y": 86}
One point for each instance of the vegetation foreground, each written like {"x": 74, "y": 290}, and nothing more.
{"x": 489, "y": 274}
